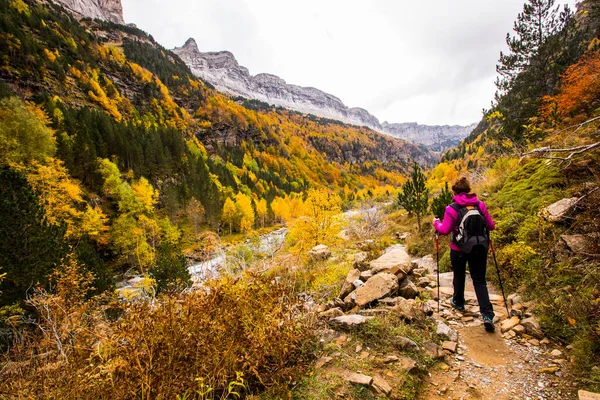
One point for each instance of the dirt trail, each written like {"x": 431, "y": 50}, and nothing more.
{"x": 492, "y": 365}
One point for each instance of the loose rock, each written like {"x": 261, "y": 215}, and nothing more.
{"x": 381, "y": 386}
{"x": 319, "y": 253}
{"x": 379, "y": 286}
{"x": 446, "y": 332}
{"x": 508, "y": 324}
{"x": 332, "y": 313}
{"x": 450, "y": 346}
{"x": 349, "y": 321}
{"x": 358, "y": 379}
{"x": 533, "y": 328}
{"x": 407, "y": 344}
{"x": 407, "y": 289}
{"x": 557, "y": 212}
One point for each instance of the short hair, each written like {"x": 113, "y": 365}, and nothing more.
{"x": 461, "y": 186}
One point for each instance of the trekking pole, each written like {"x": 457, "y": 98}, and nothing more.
{"x": 499, "y": 277}
{"x": 437, "y": 263}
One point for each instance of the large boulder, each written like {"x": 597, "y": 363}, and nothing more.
{"x": 557, "y": 212}
{"x": 319, "y": 253}
{"x": 380, "y": 286}
{"x": 395, "y": 261}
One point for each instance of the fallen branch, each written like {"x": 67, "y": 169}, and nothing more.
{"x": 578, "y": 126}
{"x": 547, "y": 152}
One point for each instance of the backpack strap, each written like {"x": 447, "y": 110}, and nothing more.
{"x": 455, "y": 206}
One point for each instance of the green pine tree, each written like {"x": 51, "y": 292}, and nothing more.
{"x": 414, "y": 195}
{"x": 439, "y": 203}
{"x": 30, "y": 248}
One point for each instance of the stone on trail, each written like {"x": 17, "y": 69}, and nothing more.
{"x": 533, "y": 328}
{"x": 556, "y": 353}
{"x": 396, "y": 261}
{"x": 347, "y": 286}
{"x": 508, "y": 324}
{"x": 557, "y": 212}
{"x": 446, "y": 332}
{"x": 379, "y": 286}
{"x": 549, "y": 370}
{"x": 319, "y": 253}
{"x": 349, "y": 321}
{"x": 357, "y": 379}
{"x": 450, "y": 346}
{"x": 408, "y": 309}
{"x": 585, "y": 395}
{"x": 519, "y": 329}
{"x": 432, "y": 350}
{"x": 381, "y": 386}
{"x": 407, "y": 289}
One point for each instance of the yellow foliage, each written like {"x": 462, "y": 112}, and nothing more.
{"x": 243, "y": 205}
{"x": 21, "y": 7}
{"x": 51, "y": 56}
{"x": 146, "y": 194}
{"x": 320, "y": 223}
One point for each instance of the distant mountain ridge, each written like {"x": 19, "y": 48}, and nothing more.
{"x": 437, "y": 138}
{"x": 106, "y": 10}
{"x": 222, "y": 70}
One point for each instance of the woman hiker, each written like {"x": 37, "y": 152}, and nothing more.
{"x": 469, "y": 221}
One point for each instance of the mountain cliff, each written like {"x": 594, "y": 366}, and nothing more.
{"x": 222, "y": 70}
{"x": 106, "y": 10}
{"x": 437, "y": 138}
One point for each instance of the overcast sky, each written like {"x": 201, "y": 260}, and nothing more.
{"x": 431, "y": 62}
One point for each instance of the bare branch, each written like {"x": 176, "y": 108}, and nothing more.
{"x": 550, "y": 153}
{"x": 578, "y": 126}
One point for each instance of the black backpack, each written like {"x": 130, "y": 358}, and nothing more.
{"x": 471, "y": 230}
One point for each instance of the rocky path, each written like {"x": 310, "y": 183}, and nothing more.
{"x": 507, "y": 364}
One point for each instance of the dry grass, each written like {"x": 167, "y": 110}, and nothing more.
{"x": 235, "y": 338}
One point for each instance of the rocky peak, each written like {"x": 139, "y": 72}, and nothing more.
{"x": 107, "y": 10}
{"x": 222, "y": 70}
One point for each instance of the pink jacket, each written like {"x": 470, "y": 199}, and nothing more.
{"x": 449, "y": 223}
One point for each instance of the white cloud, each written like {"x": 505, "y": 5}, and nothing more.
{"x": 430, "y": 62}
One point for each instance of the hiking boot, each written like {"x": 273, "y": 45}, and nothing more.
{"x": 456, "y": 306}
{"x": 488, "y": 323}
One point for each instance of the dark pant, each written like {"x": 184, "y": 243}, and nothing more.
{"x": 477, "y": 260}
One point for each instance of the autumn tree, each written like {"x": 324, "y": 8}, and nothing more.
{"x": 320, "y": 223}
{"x": 229, "y": 214}
{"x": 196, "y": 213}
{"x": 24, "y": 132}
{"x": 245, "y": 212}
{"x": 414, "y": 195}
{"x": 261, "y": 210}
